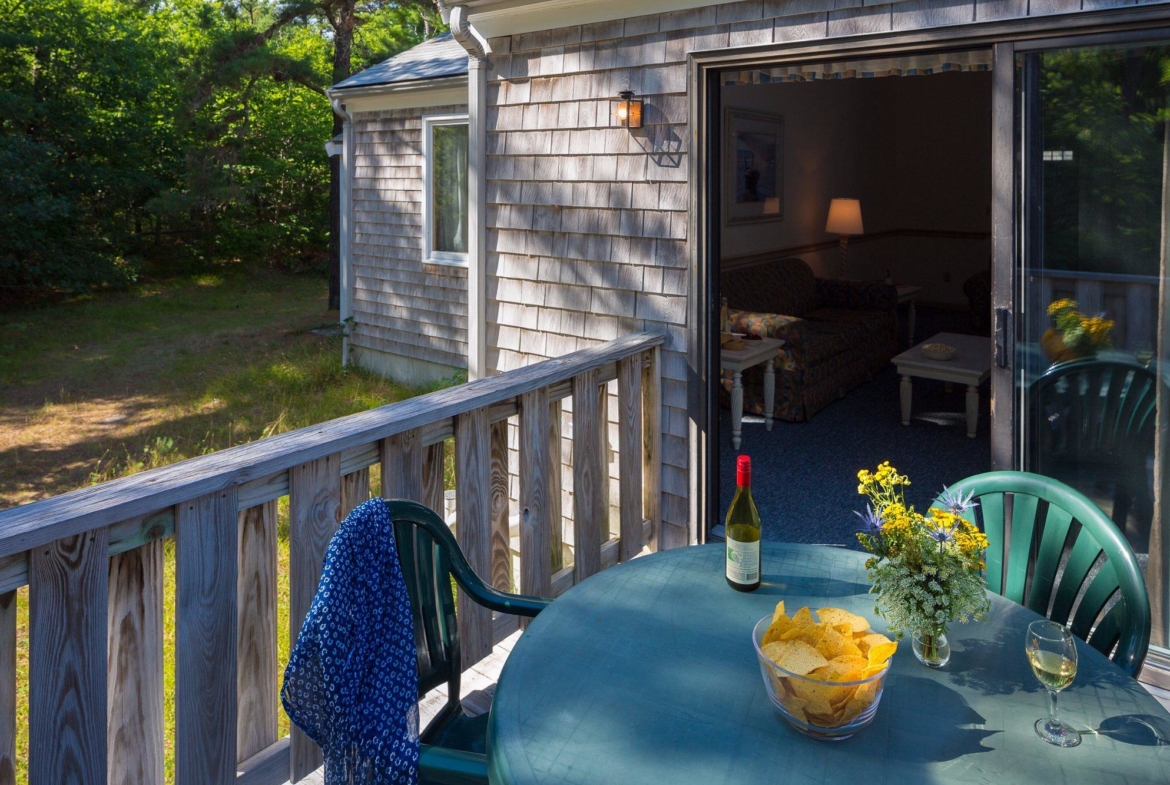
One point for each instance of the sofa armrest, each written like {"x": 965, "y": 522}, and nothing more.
{"x": 792, "y": 329}
{"x": 856, "y": 295}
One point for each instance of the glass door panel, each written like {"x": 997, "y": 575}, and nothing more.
{"x": 1093, "y": 338}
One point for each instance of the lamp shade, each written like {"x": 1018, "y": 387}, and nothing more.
{"x": 844, "y": 217}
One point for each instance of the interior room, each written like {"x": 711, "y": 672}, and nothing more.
{"x": 856, "y": 209}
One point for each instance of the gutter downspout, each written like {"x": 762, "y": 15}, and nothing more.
{"x": 477, "y": 189}
{"x": 345, "y": 188}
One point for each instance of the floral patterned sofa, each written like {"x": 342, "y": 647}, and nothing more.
{"x": 837, "y": 334}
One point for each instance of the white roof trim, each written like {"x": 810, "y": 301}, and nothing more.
{"x": 494, "y": 18}
{"x": 403, "y": 95}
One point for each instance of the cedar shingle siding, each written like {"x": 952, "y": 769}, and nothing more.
{"x": 401, "y": 306}
{"x": 587, "y": 223}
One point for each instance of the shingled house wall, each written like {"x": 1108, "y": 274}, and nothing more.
{"x": 410, "y": 318}
{"x": 587, "y": 222}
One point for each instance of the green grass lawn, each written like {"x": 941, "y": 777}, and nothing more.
{"x": 107, "y": 385}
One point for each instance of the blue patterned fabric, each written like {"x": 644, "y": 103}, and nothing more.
{"x": 352, "y": 681}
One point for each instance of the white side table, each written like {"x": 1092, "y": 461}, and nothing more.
{"x": 971, "y": 366}
{"x": 908, "y": 294}
{"x": 753, "y": 353}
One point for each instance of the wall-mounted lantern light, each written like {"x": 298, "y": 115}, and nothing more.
{"x": 628, "y": 110}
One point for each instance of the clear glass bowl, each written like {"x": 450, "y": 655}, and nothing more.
{"x": 785, "y": 688}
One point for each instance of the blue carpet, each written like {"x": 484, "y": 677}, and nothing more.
{"x": 804, "y": 475}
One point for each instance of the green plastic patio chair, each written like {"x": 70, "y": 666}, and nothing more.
{"x": 1047, "y": 544}
{"x": 453, "y": 747}
{"x": 1095, "y": 418}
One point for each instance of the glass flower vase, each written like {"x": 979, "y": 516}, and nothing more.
{"x": 931, "y": 647}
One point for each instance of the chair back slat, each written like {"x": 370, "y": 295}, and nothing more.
{"x": 991, "y": 514}
{"x": 428, "y": 581}
{"x": 1055, "y": 543}
{"x": 1081, "y": 558}
{"x": 1103, "y": 587}
{"x": 1024, "y": 507}
{"x": 1056, "y": 526}
{"x": 1107, "y": 635}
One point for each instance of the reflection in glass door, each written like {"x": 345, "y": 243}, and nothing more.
{"x": 1093, "y": 340}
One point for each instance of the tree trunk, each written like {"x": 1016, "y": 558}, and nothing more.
{"x": 342, "y": 20}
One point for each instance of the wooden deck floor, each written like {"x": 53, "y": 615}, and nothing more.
{"x": 476, "y": 687}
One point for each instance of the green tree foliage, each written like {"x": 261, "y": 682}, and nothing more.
{"x": 143, "y": 134}
{"x": 1108, "y": 107}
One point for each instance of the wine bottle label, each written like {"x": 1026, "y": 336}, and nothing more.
{"x": 743, "y": 561}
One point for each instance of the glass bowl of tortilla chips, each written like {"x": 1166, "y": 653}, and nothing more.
{"x": 824, "y": 671}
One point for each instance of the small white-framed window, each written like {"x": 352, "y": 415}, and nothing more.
{"x": 445, "y": 189}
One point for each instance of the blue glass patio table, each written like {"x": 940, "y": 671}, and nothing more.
{"x": 645, "y": 673}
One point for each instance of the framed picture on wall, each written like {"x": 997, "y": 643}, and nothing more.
{"x": 753, "y": 167}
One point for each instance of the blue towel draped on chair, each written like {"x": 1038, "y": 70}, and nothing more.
{"x": 352, "y": 680}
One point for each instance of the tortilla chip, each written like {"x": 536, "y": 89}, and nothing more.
{"x": 879, "y": 654}
{"x": 776, "y": 614}
{"x": 870, "y": 639}
{"x": 840, "y": 616}
{"x": 803, "y": 617}
{"x": 800, "y": 658}
{"x": 778, "y": 627}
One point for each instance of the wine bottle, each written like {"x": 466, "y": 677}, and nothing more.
{"x": 742, "y": 529}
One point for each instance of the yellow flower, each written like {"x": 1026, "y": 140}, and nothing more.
{"x": 1064, "y": 304}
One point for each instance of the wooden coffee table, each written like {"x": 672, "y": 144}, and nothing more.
{"x": 753, "y": 353}
{"x": 971, "y": 366}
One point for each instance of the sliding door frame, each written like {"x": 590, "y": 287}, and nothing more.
{"x": 1004, "y": 38}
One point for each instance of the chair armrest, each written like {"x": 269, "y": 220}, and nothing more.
{"x": 427, "y": 519}
{"x": 451, "y": 767}
{"x": 792, "y": 329}
{"x": 856, "y": 295}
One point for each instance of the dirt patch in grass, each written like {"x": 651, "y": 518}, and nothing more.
{"x": 104, "y": 386}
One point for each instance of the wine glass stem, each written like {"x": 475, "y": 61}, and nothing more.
{"x": 1052, "y": 718}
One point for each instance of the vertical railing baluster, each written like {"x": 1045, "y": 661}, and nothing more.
{"x": 402, "y": 466}
{"x": 206, "y": 573}
{"x": 630, "y": 456}
{"x": 355, "y": 490}
{"x": 473, "y": 483}
{"x": 501, "y": 574}
{"x": 68, "y": 586}
{"x": 555, "y": 468}
{"x": 8, "y": 688}
{"x": 134, "y": 682}
{"x": 256, "y": 725}
{"x": 652, "y": 446}
{"x": 590, "y": 505}
{"x": 434, "y": 477}
{"x": 535, "y": 564}
{"x": 314, "y": 506}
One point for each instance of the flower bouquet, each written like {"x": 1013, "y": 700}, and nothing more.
{"x": 1075, "y": 334}
{"x": 926, "y": 569}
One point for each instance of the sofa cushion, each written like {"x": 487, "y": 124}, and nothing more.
{"x": 870, "y": 320}
{"x": 826, "y": 339}
{"x": 784, "y": 286}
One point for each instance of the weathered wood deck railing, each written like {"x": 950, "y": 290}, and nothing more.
{"x": 93, "y": 561}
{"x": 1130, "y": 300}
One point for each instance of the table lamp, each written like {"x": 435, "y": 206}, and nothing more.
{"x": 844, "y": 220}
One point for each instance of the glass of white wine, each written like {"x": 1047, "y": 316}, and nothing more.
{"x": 1052, "y": 653}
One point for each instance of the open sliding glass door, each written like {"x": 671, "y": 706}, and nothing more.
{"x": 1092, "y": 326}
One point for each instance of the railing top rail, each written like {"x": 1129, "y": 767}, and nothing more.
{"x": 1041, "y": 272}
{"x": 42, "y": 522}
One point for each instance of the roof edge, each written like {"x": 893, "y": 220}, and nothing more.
{"x": 409, "y": 86}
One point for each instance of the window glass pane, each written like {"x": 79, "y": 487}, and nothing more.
{"x": 449, "y": 188}
{"x": 1094, "y": 337}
